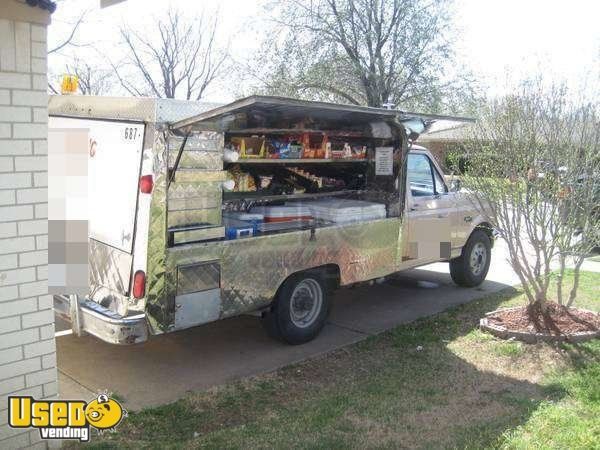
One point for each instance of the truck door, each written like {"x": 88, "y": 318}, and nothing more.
{"x": 430, "y": 209}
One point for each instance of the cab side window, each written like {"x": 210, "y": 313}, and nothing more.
{"x": 423, "y": 179}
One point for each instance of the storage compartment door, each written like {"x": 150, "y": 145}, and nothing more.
{"x": 198, "y": 297}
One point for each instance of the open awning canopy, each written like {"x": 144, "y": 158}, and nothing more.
{"x": 257, "y": 111}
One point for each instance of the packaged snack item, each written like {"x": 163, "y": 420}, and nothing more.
{"x": 272, "y": 147}
{"x": 249, "y": 147}
{"x": 315, "y": 145}
{"x": 340, "y": 150}
{"x": 292, "y": 150}
{"x": 265, "y": 181}
{"x": 359, "y": 151}
{"x": 244, "y": 182}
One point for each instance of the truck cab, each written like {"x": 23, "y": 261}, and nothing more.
{"x": 441, "y": 221}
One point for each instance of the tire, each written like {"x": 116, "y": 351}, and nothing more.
{"x": 300, "y": 309}
{"x": 471, "y": 267}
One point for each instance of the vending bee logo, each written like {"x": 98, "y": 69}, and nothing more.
{"x": 65, "y": 419}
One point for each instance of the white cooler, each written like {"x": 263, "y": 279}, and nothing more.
{"x": 344, "y": 211}
{"x": 285, "y": 213}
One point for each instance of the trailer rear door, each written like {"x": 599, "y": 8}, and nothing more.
{"x": 115, "y": 155}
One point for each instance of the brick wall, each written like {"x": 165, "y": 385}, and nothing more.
{"x": 27, "y": 346}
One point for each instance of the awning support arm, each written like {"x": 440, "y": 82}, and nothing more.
{"x": 176, "y": 165}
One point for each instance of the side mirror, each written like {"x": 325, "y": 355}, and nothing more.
{"x": 455, "y": 185}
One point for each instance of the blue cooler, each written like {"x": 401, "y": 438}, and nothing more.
{"x": 235, "y": 229}
{"x": 255, "y": 219}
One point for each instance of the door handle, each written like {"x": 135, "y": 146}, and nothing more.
{"x": 415, "y": 207}
{"x": 442, "y": 216}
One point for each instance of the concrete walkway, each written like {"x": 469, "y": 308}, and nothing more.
{"x": 591, "y": 266}
{"x": 166, "y": 367}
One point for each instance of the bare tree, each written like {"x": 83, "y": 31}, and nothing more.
{"x": 534, "y": 172}
{"x": 69, "y": 38}
{"x": 92, "y": 78}
{"x": 369, "y": 52}
{"x": 63, "y": 41}
{"x": 178, "y": 58}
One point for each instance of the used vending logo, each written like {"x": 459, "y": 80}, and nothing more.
{"x": 65, "y": 419}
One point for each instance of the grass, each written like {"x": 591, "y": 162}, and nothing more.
{"x": 434, "y": 383}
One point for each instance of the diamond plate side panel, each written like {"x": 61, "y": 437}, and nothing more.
{"x": 159, "y": 307}
{"x": 203, "y": 150}
{"x": 198, "y": 277}
{"x": 149, "y": 110}
{"x": 110, "y": 270}
{"x": 253, "y": 269}
{"x": 169, "y": 110}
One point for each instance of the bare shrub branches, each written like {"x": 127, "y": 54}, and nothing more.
{"x": 534, "y": 172}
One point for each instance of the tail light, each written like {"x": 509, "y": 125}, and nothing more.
{"x": 139, "y": 284}
{"x": 146, "y": 184}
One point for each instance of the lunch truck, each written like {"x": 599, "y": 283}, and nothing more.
{"x": 265, "y": 206}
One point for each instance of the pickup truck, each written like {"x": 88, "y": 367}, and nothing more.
{"x": 164, "y": 255}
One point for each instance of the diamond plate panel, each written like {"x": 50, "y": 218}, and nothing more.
{"x": 149, "y": 110}
{"x": 109, "y": 272}
{"x": 203, "y": 150}
{"x": 198, "y": 277}
{"x": 253, "y": 269}
{"x": 159, "y": 307}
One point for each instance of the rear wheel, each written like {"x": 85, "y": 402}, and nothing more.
{"x": 471, "y": 267}
{"x": 300, "y": 309}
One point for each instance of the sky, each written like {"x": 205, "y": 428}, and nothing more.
{"x": 500, "y": 41}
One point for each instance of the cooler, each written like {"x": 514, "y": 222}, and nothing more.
{"x": 285, "y": 213}
{"x": 344, "y": 211}
{"x": 235, "y": 229}
{"x": 255, "y": 219}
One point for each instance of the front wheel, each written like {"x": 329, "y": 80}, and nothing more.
{"x": 471, "y": 267}
{"x": 300, "y": 309}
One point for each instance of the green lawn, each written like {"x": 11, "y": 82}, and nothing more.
{"x": 435, "y": 383}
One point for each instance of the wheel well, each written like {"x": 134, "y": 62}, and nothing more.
{"x": 330, "y": 273}
{"x": 488, "y": 229}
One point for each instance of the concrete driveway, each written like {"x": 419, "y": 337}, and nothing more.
{"x": 165, "y": 368}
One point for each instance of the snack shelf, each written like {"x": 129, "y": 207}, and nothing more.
{"x": 261, "y": 196}
{"x": 298, "y": 161}
{"x": 296, "y": 131}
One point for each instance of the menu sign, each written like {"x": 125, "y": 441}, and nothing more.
{"x": 384, "y": 160}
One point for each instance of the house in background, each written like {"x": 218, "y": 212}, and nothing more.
{"x": 440, "y": 143}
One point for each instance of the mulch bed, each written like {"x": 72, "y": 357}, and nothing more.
{"x": 557, "y": 320}
{"x": 529, "y": 323}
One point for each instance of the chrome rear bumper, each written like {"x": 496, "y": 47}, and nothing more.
{"x": 90, "y": 317}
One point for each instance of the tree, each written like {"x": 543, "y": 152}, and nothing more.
{"x": 178, "y": 58}
{"x": 367, "y": 52}
{"x": 534, "y": 172}
{"x": 93, "y": 79}
{"x": 69, "y": 38}
{"x": 62, "y": 41}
